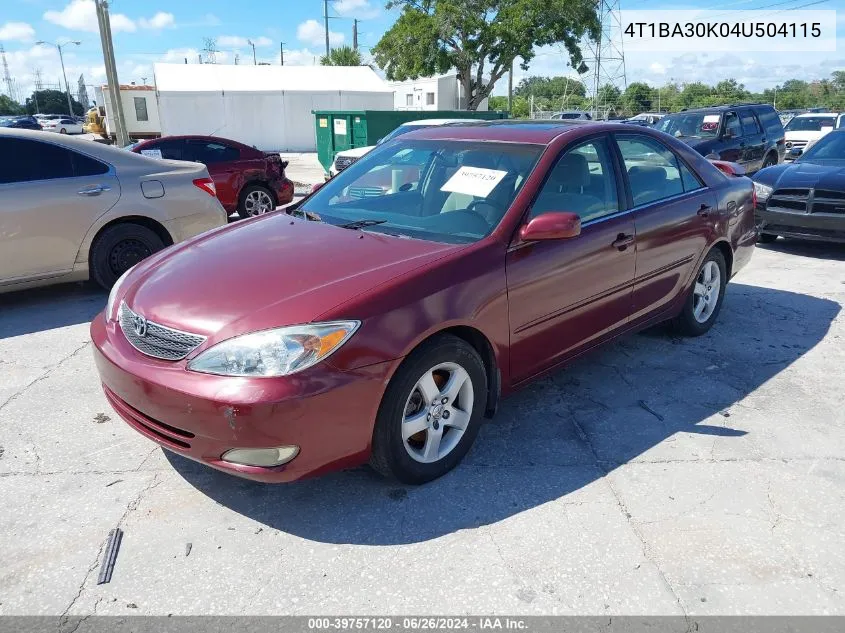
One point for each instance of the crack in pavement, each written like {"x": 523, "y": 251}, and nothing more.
{"x": 43, "y": 376}
{"x": 131, "y": 506}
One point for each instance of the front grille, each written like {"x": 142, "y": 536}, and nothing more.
{"x": 157, "y": 340}
{"x": 342, "y": 162}
{"x": 793, "y": 200}
{"x": 793, "y": 144}
{"x": 825, "y": 201}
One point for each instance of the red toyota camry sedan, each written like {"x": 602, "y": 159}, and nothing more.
{"x": 388, "y": 319}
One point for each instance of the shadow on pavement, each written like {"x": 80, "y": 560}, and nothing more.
{"x": 807, "y": 248}
{"x": 648, "y": 392}
{"x": 28, "y": 311}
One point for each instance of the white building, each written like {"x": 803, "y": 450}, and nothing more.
{"x": 269, "y": 107}
{"x": 140, "y": 109}
{"x": 443, "y": 92}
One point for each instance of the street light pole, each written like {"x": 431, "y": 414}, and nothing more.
{"x": 64, "y": 75}
{"x": 254, "y": 61}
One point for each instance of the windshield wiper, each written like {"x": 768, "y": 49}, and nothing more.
{"x": 360, "y": 224}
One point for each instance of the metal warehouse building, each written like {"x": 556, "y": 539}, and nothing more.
{"x": 268, "y": 107}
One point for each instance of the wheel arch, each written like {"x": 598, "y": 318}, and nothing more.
{"x": 727, "y": 253}
{"x": 147, "y": 222}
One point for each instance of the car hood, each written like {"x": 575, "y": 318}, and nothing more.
{"x": 268, "y": 272}
{"x": 356, "y": 152}
{"x": 802, "y": 174}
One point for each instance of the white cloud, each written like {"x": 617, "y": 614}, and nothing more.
{"x": 657, "y": 68}
{"x": 236, "y": 41}
{"x": 312, "y": 32}
{"x": 160, "y": 20}
{"x": 361, "y": 9}
{"x": 80, "y": 15}
{"x": 301, "y": 57}
{"x": 17, "y": 31}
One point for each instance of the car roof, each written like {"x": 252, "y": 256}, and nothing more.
{"x": 432, "y": 122}
{"x": 102, "y": 151}
{"x": 195, "y": 137}
{"x": 540, "y": 132}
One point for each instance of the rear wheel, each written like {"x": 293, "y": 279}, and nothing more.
{"x": 63, "y": 131}
{"x": 705, "y": 298}
{"x": 256, "y": 200}
{"x": 120, "y": 247}
{"x": 431, "y": 412}
{"x": 770, "y": 160}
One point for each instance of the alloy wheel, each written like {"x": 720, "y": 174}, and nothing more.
{"x": 437, "y": 412}
{"x": 706, "y": 291}
{"x": 258, "y": 203}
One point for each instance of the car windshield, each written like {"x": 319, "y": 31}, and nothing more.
{"x": 810, "y": 123}
{"x": 830, "y": 147}
{"x": 692, "y": 124}
{"x": 442, "y": 191}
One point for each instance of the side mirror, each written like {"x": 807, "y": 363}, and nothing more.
{"x": 552, "y": 225}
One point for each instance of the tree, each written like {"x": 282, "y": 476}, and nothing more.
{"x": 342, "y": 56}
{"x": 729, "y": 91}
{"x": 10, "y": 106}
{"x": 549, "y": 87}
{"x": 52, "y": 102}
{"x": 638, "y": 97}
{"x": 480, "y": 37}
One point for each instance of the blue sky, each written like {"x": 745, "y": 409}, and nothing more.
{"x": 152, "y": 31}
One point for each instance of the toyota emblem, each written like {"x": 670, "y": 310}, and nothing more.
{"x": 139, "y": 325}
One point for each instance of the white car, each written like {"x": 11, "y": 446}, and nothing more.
{"x": 344, "y": 159}
{"x": 64, "y": 125}
{"x": 804, "y": 130}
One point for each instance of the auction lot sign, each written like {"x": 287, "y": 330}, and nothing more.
{"x": 696, "y": 31}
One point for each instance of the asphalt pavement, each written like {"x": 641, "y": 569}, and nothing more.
{"x": 658, "y": 476}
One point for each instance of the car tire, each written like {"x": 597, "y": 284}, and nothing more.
{"x": 417, "y": 436}
{"x": 120, "y": 247}
{"x": 255, "y": 200}
{"x": 770, "y": 160}
{"x": 766, "y": 238}
{"x": 63, "y": 131}
{"x": 705, "y": 298}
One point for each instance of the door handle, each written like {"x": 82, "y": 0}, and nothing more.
{"x": 623, "y": 241}
{"x": 703, "y": 211}
{"x": 96, "y": 190}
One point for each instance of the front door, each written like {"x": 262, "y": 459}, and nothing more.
{"x": 49, "y": 198}
{"x": 565, "y": 294}
{"x": 675, "y": 215}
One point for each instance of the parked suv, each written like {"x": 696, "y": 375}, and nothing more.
{"x": 751, "y": 135}
{"x": 248, "y": 180}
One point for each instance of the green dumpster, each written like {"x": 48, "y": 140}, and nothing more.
{"x": 339, "y": 130}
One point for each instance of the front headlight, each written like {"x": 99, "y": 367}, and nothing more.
{"x": 277, "y": 352}
{"x": 763, "y": 191}
{"x": 115, "y": 289}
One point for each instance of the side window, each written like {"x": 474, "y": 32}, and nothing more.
{"x": 87, "y": 166}
{"x": 582, "y": 181}
{"x": 771, "y": 121}
{"x": 688, "y": 178}
{"x": 25, "y": 161}
{"x": 732, "y": 124}
{"x": 211, "y": 152}
{"x": 171, "y": 150}
{"x": 749, "y": 124}
{"x": 653, "y": 170}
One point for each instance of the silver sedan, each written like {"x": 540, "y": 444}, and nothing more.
{"x": 72, "y": 209}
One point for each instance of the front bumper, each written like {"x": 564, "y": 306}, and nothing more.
{"x": 825, "y": 227}
{"x": 328, "y": 413}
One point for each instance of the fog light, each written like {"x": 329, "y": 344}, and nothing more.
{"x": 264, "y": 457}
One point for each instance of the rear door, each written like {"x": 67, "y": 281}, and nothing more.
{"x": 49, "y": 198}
{"x": 674, "y": 214}
{"x": 754, "y": 138}
{"x": 223, "y": 163}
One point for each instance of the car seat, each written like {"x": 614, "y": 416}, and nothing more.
{"x": 565, "y": 189}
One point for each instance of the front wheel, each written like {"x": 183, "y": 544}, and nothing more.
{"x": 431, "y": 412}
{"x": 769, "y": 161}
{"x": 256, "y": 200}
{"x": 705, "y": 298}
{"x": 63, "y": 131}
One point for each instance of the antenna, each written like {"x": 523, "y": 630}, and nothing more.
{"x": 608, "y": 56}
{"x": 7, "y": 78}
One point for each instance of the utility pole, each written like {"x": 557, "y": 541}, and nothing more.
{"x": 7, "y": 78}
{"x": 326, "y": 20}
{"x": 254, "y": 62}
{"x": 355, "y": 34}
{"x": 117, "y": 118}
{"x": 510, "y": 88}
{"x": 64, "y": 75}
{"x": 282, "y": 52}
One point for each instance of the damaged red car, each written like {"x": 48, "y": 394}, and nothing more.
{"x": 387, "y": 321}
